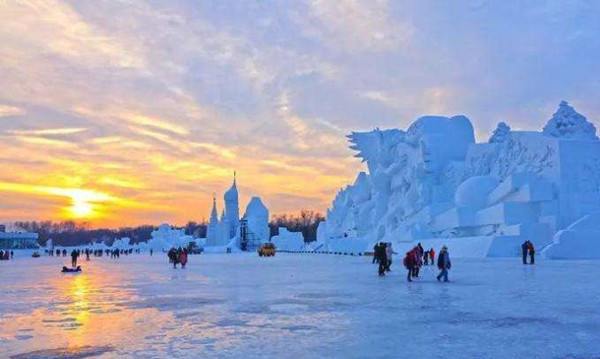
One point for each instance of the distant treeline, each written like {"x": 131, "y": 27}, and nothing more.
{"x": 306, "y": 222}
{"x": 72, "y": 233}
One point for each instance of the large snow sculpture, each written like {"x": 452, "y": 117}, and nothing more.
{"x": 434, "y": 184}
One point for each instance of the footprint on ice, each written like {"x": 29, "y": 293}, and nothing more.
{"x": 79, "y": 352}
{"x": 295, "y": 328}
{"x": 23, "y": 337}
{"x": 288, "y": 308}
{"x": 62, "y": 320}
{"x": 231, "y": 323}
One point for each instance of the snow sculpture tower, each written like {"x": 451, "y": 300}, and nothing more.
{"x": 257, "y": 219}
{"x": 224, "y": 230}
{"x": 212, "y": 232}
{"x": 232, "y": 210}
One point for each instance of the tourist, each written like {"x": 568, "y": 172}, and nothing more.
{"x": 432, "y": 256}
{"x": 421, "y": 250}
{"x": 74, "y": 255}
{"x": 382, "y": 259}
{"x": 444, "y": 264}
{"x": 64, "y": 252}
{"x": 426, "y": 258}
{"x": 388, "y": 254}
{"x": 151, "y": 252}
{"x": 417, "y": 255}
{"x": 12, "y": 255}
{"x": 87, "y": 254}
{"x": 409, "y": 264}
{"x": 375, "y": 249}
{"x": 183, "y": 257}
{"x": 524, "y": 250}
{"x": 173, "y": 256}
{"x": 531, "y": 252}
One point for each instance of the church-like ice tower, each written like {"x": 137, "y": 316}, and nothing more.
{"x": 227, "y": 230}
{"x": 433, "y": 184}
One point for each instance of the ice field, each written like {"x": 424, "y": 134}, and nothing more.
{"x": 295, "y": 306}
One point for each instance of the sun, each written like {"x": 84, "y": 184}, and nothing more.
{"x": 81, "y": 208}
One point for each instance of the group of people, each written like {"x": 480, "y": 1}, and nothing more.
{"x": 413, "y": 261}
{"x": 527, "y": 248}
{"x": 6, "y": 255}
{"x": 178, "y": 256}
{"x": 382, "y": 255}
{"x": 417, "y": 257}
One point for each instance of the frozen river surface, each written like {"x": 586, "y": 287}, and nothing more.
{"x": 296, "y": 306}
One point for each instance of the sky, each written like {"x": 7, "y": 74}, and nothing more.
{"x": 130, "y": 112}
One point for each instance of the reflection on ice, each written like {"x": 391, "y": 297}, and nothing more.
{"x": 240, "y": 306}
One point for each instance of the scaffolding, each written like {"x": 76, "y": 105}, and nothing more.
{"x": 248, "y": 240}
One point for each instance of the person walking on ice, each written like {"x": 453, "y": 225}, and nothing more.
{"x": 409, "y": 263}
{"x": 524, "y": 250}
{"x": 531, "y": 252}
{"x": 444, "y": 264}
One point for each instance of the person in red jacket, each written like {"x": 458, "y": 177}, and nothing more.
{"x": 531, "y": 252}
{"x": 432, "y": 256}
{"x": 409, "y": 263}
{"x": 183, "y": 257}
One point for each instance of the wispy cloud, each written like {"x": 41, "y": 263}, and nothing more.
{"x": 6, "y": 111}
{"x": 159, "y": 124}
{"x": 47, "y": 132}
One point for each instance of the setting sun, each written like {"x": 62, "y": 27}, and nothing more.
{"x": 81, "y": 209}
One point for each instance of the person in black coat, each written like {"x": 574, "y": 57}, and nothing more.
{"x": 444, "y": 264}
{"x": 375, "y": 249}
{"x": 525, "y": 249}
{"x": 382, "y": 258}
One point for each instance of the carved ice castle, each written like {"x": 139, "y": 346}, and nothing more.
{"x": 229, "y": 230}
{"x": 433, "y": 184}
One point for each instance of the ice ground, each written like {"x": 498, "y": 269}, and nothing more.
{"x": 293, "y": 306}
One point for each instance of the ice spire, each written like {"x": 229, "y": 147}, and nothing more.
{"x": 213, "y": 214}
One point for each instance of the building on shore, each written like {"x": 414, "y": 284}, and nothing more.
{"x": 17, "y": 240}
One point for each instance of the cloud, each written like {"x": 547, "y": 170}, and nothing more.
{"x": 6, "y": 111}
{"x": 47, "y": 132}
{"x": 357, "y": 25}
{"x": 159, "y": 124}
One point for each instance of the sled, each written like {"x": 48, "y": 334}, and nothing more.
{"x": 71, "y": 270}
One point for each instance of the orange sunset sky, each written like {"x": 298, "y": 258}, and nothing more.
{"x": 133, "y": 112}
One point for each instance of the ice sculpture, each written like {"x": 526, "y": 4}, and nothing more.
{"x": 434, "y": 184}
{"x": 257, "y": 218}
{"x": 288, "y": 241}
{"x": 165, "y": 238}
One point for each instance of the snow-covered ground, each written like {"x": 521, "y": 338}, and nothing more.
{"x": 294, "y": 306}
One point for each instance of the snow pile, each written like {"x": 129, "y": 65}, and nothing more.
{"x": 434, "y": 183}
{"x": 288, "y": 241}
